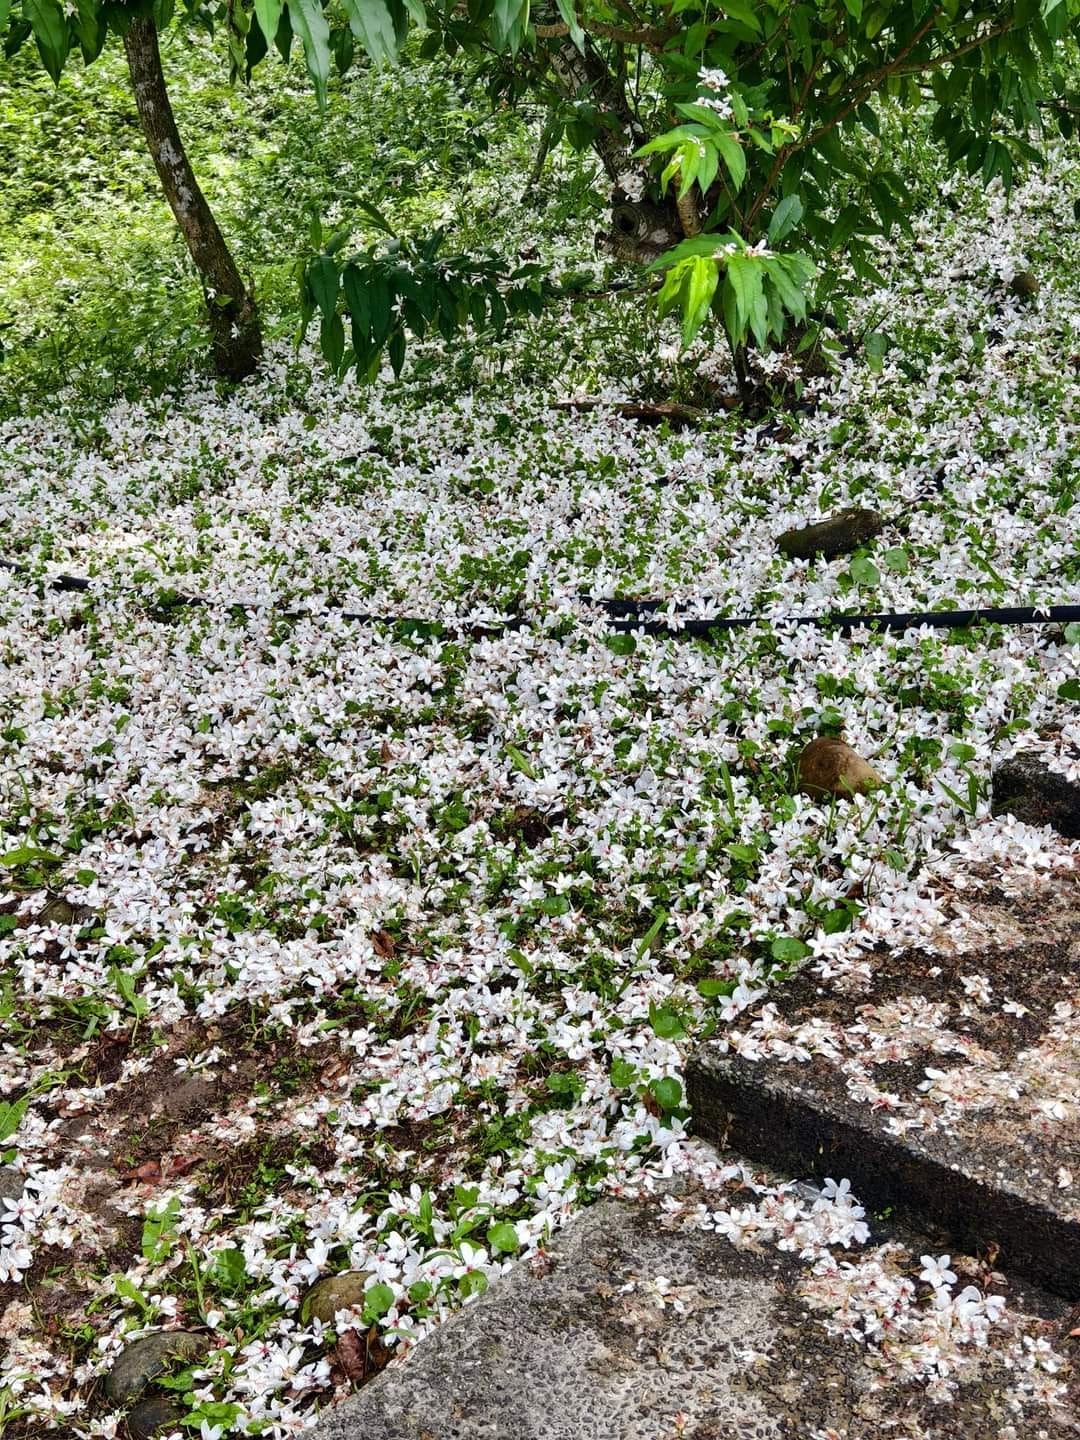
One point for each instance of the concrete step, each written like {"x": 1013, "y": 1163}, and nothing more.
{"x": 945, "y": 1087}
{"x": 634, "y": 1331}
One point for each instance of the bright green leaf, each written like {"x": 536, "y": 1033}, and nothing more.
{"x": 504, "y": 1238}
{"x": 373, "y": 25}
{"x": 788, "y": 950}
{"x": 309, "y": 22}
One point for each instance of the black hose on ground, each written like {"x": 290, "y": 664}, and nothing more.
{"x": 634, "y": 615}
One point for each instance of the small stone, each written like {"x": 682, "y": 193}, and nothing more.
{"x": 830, "y": 767}
{"x": 191, "y": 1098}
{"x": 154, "y": 1416}
{"x": 839, "y": 534}
{"x": 333, "y": 1293}
{"x": 144, "y": 1360}
{"x": 1024, "y": 285}
{"x": 58, "y": 911}
{"x": 1026, "y": 787}
{"x": 12, "y": 1183}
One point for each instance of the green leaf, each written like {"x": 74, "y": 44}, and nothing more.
{"x": 621, "y": 644}
{"x": 555, "y": 905}
{"x": 396, "y": 351}
{"x": 864, "y": 571}
{"x": 652, "y": 932}
{"x": 510, "y": 20}
{"x": 835, "y": 921}
{"x": 372, "y": 24}
{"x": 473, "y": 1282}
{"x": 785, "y": 217}
{"x": 745, "y": 277}
{"x": 504, "y": 1238}
{"x": 699, "y": 289}
{"x": 309, "y": 22}
{"x": 665, "y": 1022}
{"x": 268, "y": 14}
{"x": 28, "y": 855}
{"x": 332, "y": 341}
{"x": 743, "y": 12}
{"x": 377, "y": 1301}
{"x": 711, "y": 989}
{"x": 788, "y": 950}
{"x": 1069, "y": 690}
{"x": 49, "y": 24}
{"x": 90, "y": 28}
{"x": 876, "y": 345}
{"x": 5, "y": 11}
{"x": 667, "y": 1092}
{"x": 623, "y": 1074}
{"x": 733, "y": 156}
{"x": 569, "y": 14}
{"x": 1072, "y": 633}
{"x": 323, "y": 279}
{"x": 229, "y": 1269}
{"x": 959, "y": 751}
{"x": 898, "y": 560}
{"x": 11, "y": 1115}
{"x": 519, "y": 762}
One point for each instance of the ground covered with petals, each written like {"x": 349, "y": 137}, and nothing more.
{"x": 333, "y": 946}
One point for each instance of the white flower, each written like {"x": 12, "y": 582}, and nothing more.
{"x": 936, "y": 1272}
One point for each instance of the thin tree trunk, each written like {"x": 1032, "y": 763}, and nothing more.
{"x": 641, "y": 228}
{"x": 234, "y": 319}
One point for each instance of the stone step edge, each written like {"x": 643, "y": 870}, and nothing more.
{"x": 736, "y": 1104}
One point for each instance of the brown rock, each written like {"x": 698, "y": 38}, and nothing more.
{"x": 333, "y": 1293}
{"x": 838, "y": 534}
{"x": 144, "y": 1360}
{"x": 830, "y": 767}
{"x": 156, "y": 1416}
{"x": 1024, "y": 285}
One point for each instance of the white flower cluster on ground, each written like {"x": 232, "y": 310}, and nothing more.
{"x": 380, "y": 949}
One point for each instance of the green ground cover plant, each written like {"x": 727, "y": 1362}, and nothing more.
{"x": 338, "y": 949}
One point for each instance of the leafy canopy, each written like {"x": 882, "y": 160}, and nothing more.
{"x": 760, "y": 120}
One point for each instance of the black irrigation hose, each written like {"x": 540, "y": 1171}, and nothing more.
{"x": 631, "y": 615}
{"x": 627, "y": 613}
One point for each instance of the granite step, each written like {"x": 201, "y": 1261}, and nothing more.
{"x": 945, "y": 1086}
{"x": 631, "y": 1330}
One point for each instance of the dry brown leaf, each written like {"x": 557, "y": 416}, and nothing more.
{"x": 149, "y": 1171}
{"x": 351, "y": 1354}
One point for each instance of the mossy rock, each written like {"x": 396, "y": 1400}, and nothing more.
{"x": 155, "y": 1416}
{"x": 1024, "y": 285}
{"x": 59, "y": 911}
{"x": 333, "y": 1293}
{"x": 12, "y": 1183}
{"x": 838, "y": 534}
{"x": 144, "y": 1360}
{"x": 830, "y": 767}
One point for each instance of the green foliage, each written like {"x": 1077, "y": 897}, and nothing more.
{"x": 405, "y": 288}
{"x": 765, "y": 124}
{"x": 776, "y": 128}
{"x": 760, "y": 288}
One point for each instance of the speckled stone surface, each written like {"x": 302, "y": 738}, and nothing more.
{"x": 588, "y": 1350}
{"x": 945, "y": 1086}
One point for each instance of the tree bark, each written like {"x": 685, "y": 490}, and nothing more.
{"x": 234, "y": 319}
{"x": 641, "y": 228}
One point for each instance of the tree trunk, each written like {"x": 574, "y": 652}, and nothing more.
{"x": 641, "y": 227}
{"x": 234, "y": 319}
